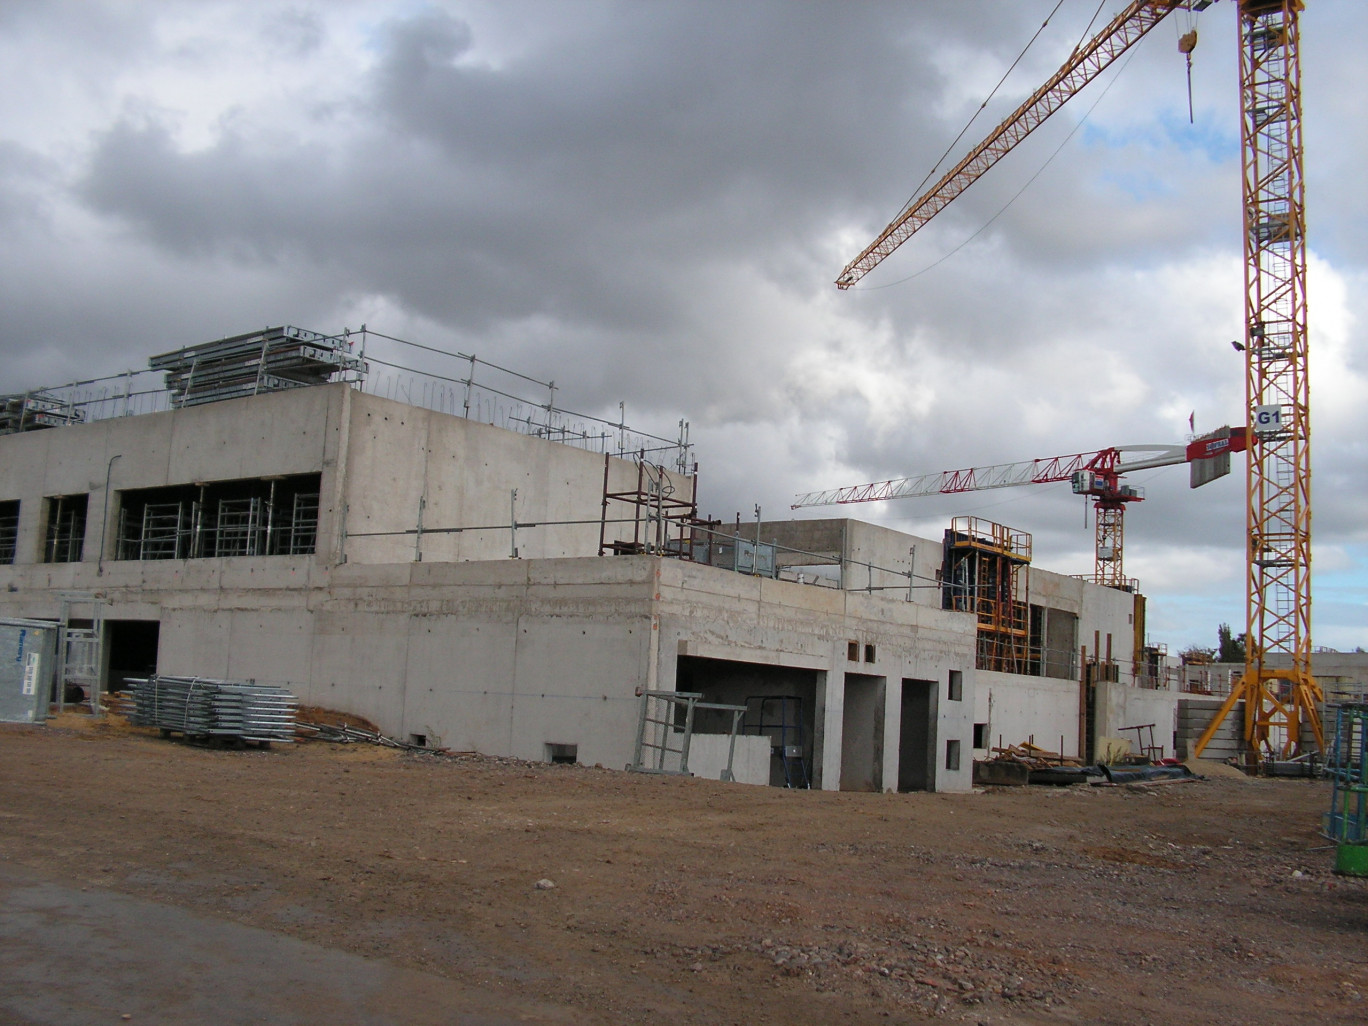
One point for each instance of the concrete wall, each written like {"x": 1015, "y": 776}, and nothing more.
{"x": 294, "y": 432}
{"x": 716, "y": 614}
{"x": 1016, "y": 708}
{"x": 1118, "y": 706}
{"x": 750, "y": 758}
{"x": 407, "y": 466}
{"x": 1106, "y": 616}
{"x": 1345, "y": 672}
{"x": 386, "y": 468}
{"x": 501, "y": 657}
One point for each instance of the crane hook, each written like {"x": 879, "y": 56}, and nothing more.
{"x": 1187, "y": 42}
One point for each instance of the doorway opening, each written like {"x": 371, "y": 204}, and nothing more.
{"x": 917, "y": 736}
{"x": 781, "y": 704}
{"x": 862, "y": 728}
{"x": 132, "y": 646}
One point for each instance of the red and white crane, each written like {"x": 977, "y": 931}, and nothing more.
{"x": 1279, "y": 692}
{"x": 1094, "y": 474}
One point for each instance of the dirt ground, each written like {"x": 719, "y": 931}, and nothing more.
{"x": 578, "y": 894}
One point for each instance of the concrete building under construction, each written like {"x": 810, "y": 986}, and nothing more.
{"x": 517, "y": 592}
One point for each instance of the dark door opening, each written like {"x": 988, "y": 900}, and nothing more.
{"x": 917, "y": 736}
{"x": 781, "y": 703}
{"x": 132, "y": 647}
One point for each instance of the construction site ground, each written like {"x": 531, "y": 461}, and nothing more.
{"x": 151, "y": 880}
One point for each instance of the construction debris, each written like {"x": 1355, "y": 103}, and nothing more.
{"x": 1034, "y": 756}
{"x": 324, "y": 725}
{"x": 1028, "y": 763}
{"x": 343, "y": 734}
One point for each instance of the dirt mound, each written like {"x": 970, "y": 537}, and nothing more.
{"x": 333, "y": 718}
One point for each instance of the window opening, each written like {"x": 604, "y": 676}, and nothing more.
{"x": 869, "y": 653}
{"x": 980, "y": 735}
{"x": 253, "y": 517}
{"x": 952, "y": 754}
{"x": 66, "y": 524}
{"x": 853, "y": 651}
{"x": 9, "y": 530}
{"x": 957, "y": 685}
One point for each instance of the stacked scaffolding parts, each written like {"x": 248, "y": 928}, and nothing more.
{"x": 32, "y": 410}
{"x": 203, "y": 708}
{"x": 982, "y": 575}
{"x": 261, "y": 361}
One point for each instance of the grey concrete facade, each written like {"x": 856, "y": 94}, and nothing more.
{"x": 410, "y": 610}
{"x": 1073, "y": 621}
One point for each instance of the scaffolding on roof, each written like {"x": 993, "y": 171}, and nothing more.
{"x": 27, "y": 411}
{"x": 269, "y": 360}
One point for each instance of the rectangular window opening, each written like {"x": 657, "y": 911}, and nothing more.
{"x": 869, "y": 653}
{"x": 980, "y": 735}
{"x": 853, "y": 651}
{"x": 562, "y": 754}
{"x": 252, "y": 517}
{"x": 418, "y": 740}
{"x": 957, "y": 685}
{"x": 9, "y": 530}
{"x": 66, "y": 524}
{"x": 952, "y": 754}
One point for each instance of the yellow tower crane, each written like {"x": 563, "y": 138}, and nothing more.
{"x": 1281, "y": 697}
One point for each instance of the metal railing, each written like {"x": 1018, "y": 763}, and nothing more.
{"x": 462, "y": 384}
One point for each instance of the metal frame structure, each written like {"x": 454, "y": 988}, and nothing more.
{"x": 1281, "y": 704}
{"x": 669, "y": 716}
{"x": 9, "y": 530}
{"x": 1093, "y": 474}
{"x": 80, "y": 650}
{"x": 788, "y": 737}
{"x": 1083, "y": 65}
{"x": 1347, "y": 767}
{"x": 983, "y": 562}
{"x": 662, "y": 523}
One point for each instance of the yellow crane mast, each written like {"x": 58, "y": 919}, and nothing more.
{"x": 1281, "y": 701}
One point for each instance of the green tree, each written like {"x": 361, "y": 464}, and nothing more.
{"x": 1229, "y": 648}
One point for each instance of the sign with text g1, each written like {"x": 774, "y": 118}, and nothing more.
{"x": 1268, "y": 420}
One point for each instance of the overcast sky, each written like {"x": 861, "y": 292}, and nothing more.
{"x": 648, "y": 202}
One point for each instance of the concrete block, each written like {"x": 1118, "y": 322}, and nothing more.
{"x": 750, "y": 758}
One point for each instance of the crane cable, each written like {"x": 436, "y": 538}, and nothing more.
{"x": 982, "y": 106}
{"x": 1028, "y": 183}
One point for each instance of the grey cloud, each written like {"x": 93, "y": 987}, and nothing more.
{"x": 645, "y": 202}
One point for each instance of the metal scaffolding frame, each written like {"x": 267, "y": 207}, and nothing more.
{"x": 982, "y": 575}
